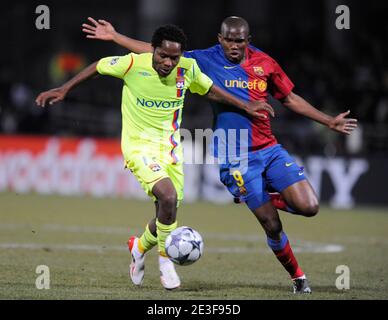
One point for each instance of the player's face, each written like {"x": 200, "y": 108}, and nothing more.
{"x": 234, "y": 42}
{"x": 166, "y": 57}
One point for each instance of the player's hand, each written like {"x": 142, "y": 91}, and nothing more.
{"x": 101, "y": 30}
{"x": 254, "y": 108}
{"x": 342, "y": 124}
{"x": 51, "y": 96}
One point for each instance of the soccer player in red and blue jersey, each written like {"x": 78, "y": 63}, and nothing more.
{"x": 250, "y": 74}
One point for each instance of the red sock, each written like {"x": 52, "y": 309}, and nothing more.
{"x": 288, "y": 260}
{"x": 282, "y": 250}
{"x": 279, "y": 203}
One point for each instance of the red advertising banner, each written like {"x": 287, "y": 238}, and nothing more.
{"x": 68, "y": 166}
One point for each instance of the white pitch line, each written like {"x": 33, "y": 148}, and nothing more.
{"x": 66, "y": 247}
{"x": 70, "y": 228}
{"x": 121, "y": 230}
{"x": 298, "y": 245}
{"x": 105, "y": 248}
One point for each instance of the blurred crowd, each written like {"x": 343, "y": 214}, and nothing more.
{"x": 347, "y": 72}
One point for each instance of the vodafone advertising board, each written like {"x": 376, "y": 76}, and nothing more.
{"x": 95, "y": 167}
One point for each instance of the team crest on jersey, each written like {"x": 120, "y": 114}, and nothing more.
{"x": 180, "y": 82}
{"x": 243, "y": 190}
{"x": 154, "y": 167}
{"x": 258, "y": 70}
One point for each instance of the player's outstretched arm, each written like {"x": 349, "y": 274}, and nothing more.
{"x": 103, "y": 30}
{"x": 253, "y": 108}
{"x": 339, "y": 123}
{"x": 58, "y": 94}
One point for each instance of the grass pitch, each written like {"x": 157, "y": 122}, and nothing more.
{"x": 83, "y": 242}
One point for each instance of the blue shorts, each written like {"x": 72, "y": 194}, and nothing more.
{"x": 271, "y": 167}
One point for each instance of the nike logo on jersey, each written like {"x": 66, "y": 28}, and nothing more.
{"x": 230, "y": 67}
{"x": 289, "y": 164}
{"x": 300, "y": 173}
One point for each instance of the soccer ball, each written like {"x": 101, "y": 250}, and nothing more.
{"x": 184, "y": 246}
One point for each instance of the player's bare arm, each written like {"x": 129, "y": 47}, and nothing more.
{"x": 253, "y": 108}
{"x": 58, "y": 94}
{"x": 339, "y": 123}
{"x": 103, "y": 30}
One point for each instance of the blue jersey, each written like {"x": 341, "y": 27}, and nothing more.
{"x": 252, "y": 80}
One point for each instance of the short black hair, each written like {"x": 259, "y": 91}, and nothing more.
{"x": 234, "y": 22}
{"x": 169, "y": 32}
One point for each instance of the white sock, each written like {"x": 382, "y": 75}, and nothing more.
{"x": 301, "y": 277}
{"x": 135, "y": 250}
{"x": 163, "y": 260}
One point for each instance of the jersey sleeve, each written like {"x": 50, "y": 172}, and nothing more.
{"x": 280, "y": 85}
{"x": 201, "y": 83}
{"x": 115, "y": 66}
{"x": 201, "y": 57}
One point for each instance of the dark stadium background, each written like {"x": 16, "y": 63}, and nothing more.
{"x": 67, "y": 203}
{"x": 335, "y": 70}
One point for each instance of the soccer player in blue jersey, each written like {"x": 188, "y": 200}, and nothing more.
{"x": 250, "y": 74}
